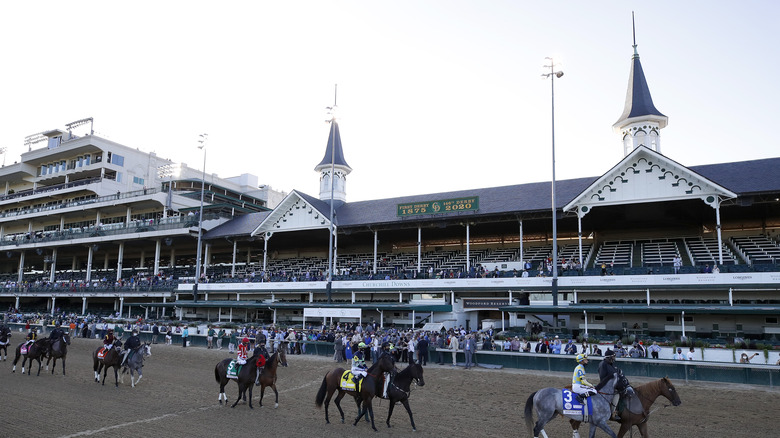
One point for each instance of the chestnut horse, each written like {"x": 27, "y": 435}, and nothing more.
{"x": 636, "y": 409}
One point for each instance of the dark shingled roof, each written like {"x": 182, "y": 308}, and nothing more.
{"x": 743, "y": 178}
{"x": 638, "y": 100}
{"x": 338, "y": 157}
{"x": 240, "y": 226}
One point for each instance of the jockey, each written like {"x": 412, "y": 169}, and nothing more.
{"x": 108, "y": 340}
{"x": 243, "y": 350}
{"x": 359, "y": 363}
{"x": 132, "y": 343}
{"x": 607, "y": 370}
{"x": 32, "y": 336}
{"x": 579, "y": 384}
{"x": 56, "y": 334}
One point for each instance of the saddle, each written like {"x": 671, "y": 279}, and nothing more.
{"x": 102, "y": 353}
{"x": 574, "y": 407}
{"x": 233, "y": 369}
{"x": 347, "y": 382}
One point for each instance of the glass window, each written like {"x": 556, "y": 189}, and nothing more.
{"x": 87, "y": 159}
{"x": 43, "y": 170}
{"x": 119, "y": 177}
{"x": 118, "y": 160}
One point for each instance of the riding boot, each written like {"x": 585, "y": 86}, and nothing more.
{"x": 615, "y": 416}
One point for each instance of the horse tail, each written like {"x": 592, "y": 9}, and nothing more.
{"x": 322, "y": 392}
{"x": 216, "y": 373}
{"x": 529, "y": 420}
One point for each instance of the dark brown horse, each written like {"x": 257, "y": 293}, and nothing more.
{"x": 111, "y": 359}
{"x": 36, "y": 351}
{"x": 268, "y": 374}
{"x": 5, "y": 339}
{"x": 636, "y": 408}
{"x": 401, "y": 389}
{"x": 371, "y": 385}
{"x": 247, "y": 376}
{"x": 58, "y": 350}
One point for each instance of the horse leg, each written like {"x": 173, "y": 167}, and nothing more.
{"x": 602, "y": 424}
{"x": 276, "y": 393}
{"x": 116, "y": 376}
{"x": 390, "y": 413}
{"x": 575, "y": 427}
{"x": 238, "y": 399}
{"x": 362, "y": 410}
{"x": 251, "y": 388}
{"x": 262, "y": 392}
{"x": 63, "y": 365}
{"x": 337, "y": 402}
{"x": 371, "y": 413}
{"x": 40, "y": 365}
{"x": 140, "y": 374}
{"x": 405, "y": 402}
{"x": 47, "y": 364}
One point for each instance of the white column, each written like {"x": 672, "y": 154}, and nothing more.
{"x": 21, "y": 267}
{"x": 522, "y": 261}
{"x": 579, "y": 238}
{"x": 468, "y": 248}
{"x": 265, "y": 253}
{"x": 206, "y": 258}
{"x": 105, "y": 261}
{"x": 172, "y": 261}
{"x": 53, "y": 265}
{"x": 717, "y": 226}
{"x": 83, "y": 305}
{"x": 419, "y": 249}
{"x": 648, "y": 297}
{"x": 121, "y": 305}
{"x": 157, "y": 248}
{"x": 233, "y": 268}
{"x": 376, "y": 247}
{"x": 53, "y": 303}
{"x": 142, "y": 261}
{"x": 89, "y": 263}
{"x": 120, "y": 257}
{"x": 585, "y": 313}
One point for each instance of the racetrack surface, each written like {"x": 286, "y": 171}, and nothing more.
{"x": 177, "y": 397}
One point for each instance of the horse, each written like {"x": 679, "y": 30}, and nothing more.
{"x": 549, "y": 401}
{"x": 112, "y": 358}
{"x": 371, "y": 385}
{"x": 400, "y": 389}
{"x": 636, "y": 409}
{"x": 36, "y": 351}
{"x": 58, "y": 350}
{"x": 268, "y": 374}
{"x": 247, "y": 376}
{"x": 5, "y": 339}
{"x": 135, "y": 363}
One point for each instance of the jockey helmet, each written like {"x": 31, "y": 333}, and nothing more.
{"x": 581, "y": 357}
{"x": 362, "y": 345}
{"x": 111, "y": 330}
{"x": 245, "y": 340}
{"x": 609, "y": 353}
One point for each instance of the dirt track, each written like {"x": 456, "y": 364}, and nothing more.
{"x": 178, "y": 398}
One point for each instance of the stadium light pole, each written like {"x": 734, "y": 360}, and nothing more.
{"x": 552, "y": 75}
{"x": 202, "y": 146}
{"x": 332, "y": 121}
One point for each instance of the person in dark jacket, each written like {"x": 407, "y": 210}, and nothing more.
{"x": 607, "y": 370}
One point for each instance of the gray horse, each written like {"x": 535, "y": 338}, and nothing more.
{"x": 135, "y": 363}
{"x": 549, "y": 401}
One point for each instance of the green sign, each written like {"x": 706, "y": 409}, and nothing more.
{"x": 439, "y": 207}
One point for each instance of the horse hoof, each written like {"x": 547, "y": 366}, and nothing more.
{"x": 276, "y": 405}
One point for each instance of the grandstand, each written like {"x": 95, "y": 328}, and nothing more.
{"x": 80, "y": 232}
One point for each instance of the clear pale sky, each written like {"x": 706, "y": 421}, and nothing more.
{"x": 434, "y": 95}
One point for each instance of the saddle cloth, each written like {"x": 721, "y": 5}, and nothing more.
{"x": 233, "y": 369}
{"x": 23, "y": 350}
{"x": 347, "y": 384}
{"x": 573, "y": 409}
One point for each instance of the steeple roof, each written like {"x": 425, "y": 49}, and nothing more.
{"x": 333, "y": 150}
{"x": 639, "y": 103}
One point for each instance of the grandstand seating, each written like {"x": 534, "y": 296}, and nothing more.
{"x": 619, "y": 253}
{"x": 705, "y": 250}
{"x": 757, "y": 249}
{"x": 659, "y": 252}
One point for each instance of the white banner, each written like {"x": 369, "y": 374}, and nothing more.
{"x": 322, "y": 312}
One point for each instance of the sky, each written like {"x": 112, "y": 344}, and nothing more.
{"x": 433, "y": 96}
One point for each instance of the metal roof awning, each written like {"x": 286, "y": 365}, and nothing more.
{"x": 770, "y": 309}
{"x": 383, "y": 306}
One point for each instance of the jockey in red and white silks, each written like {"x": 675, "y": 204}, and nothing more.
{"x": 243, "y": 351}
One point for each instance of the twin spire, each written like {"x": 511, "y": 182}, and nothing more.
{"x": 641, "y": 122}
